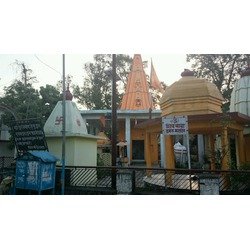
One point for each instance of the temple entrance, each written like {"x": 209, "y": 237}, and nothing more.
{"x": 138, "y": 150}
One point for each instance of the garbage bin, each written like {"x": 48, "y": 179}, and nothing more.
{"x": 35, "y": 170}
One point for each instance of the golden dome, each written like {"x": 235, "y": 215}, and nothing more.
{"x": 191, "y": 95}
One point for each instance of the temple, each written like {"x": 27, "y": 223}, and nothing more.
{"x": 81, "y": 147}
{"x": 136, "y": 106}
{"x": 211, "y": 131}
{"x": 217, "y": 139}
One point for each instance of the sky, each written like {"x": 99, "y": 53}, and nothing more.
{"x": 48, "y": 67}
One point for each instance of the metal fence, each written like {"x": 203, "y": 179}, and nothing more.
{"x": 6, "y": 162}
{"x": 7, "y": 167}
{"x": 98, "y": 180}
{"x": 84, "y": 180}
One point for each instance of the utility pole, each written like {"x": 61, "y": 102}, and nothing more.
{"x": 63, "y": 129}
{"x": 114, "y": 121}
{"x": 25, "y": 73}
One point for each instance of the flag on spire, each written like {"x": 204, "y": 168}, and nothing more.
{"x": 154, "y": 81}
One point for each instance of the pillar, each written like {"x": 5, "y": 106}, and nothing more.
{"x": 170, "y": 159}
{"x": 163, "y": 150}
{"x": 236, "y": 135}
{"x": 128, "y": 137}
{"x": 201, "y": 149}
{"x": 241, "y": 148}
{"x": 225, "y": 179}
{"x": 211, "y": 151}
{"x": 148, "y": 153}
{"x": 225, "y": 149}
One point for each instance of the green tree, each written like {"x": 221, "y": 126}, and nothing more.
{"x": 26, "y": 101}
{"x": 222, "y": 69}
{"x": 96, "y": 91}
{"x": 20, "y": 96}
{"x": 156, "y": 94}
{"x": 49, "y": 96}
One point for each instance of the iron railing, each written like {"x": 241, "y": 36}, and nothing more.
{"x": 7, "y": 167}
{"x": 98, "y": 180}
{"x": 79, "y": 180}
{"x": 6, "y": 162}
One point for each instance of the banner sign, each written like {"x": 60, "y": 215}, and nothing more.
{"x": 175, "y": 125}
{"x": 29, "y": 135}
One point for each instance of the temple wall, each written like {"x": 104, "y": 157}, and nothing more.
{"x": 80, "y": 151}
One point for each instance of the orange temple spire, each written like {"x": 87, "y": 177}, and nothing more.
{"x": 137, "y": 96}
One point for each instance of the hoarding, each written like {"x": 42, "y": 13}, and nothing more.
{"x": 28, "y": 135}
{"x": 175, "y": 125}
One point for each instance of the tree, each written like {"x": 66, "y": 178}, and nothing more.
{"x": 49, "y": 96}
{"x": 20, "y": 96}
{"x": 97, "y": 89}
{"x": 157, "y": 94}
{"x": 25, "y": 101}
{"x": 221, "y": 69}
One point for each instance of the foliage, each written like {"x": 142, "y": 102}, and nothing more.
{"x": 49, "y": 96}
{"x": 221, "y": 69}
{"x": 96, "y": 92}
{"x": 156, "y": 94}
{"x": 23, "y": 99}
{"x": 26, "y": 101}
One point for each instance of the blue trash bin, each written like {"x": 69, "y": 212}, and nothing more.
{"x": 36, "y": 170}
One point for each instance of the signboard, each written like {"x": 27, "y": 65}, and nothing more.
{"x": 176, "y": 125}
{"x": 29, "y": 135}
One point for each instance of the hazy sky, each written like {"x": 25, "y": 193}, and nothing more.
{"x": 168, "y": 67}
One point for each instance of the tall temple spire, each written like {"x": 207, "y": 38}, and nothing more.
{"x": 137, "y": 96}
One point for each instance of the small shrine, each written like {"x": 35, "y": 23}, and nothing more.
{"x": 81, "y": 147}
{"x": 213, "y": 130}
{"x": 136, "y": 107}
{"x": 240, "y": 102}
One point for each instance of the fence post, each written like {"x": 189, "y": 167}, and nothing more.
{"x": 209, "y": 184}
{"x": 124, "y": 182}
{"x": 133, "y": 180}
{"x": 165, "y": 177}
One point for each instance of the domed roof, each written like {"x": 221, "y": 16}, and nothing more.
{"x": 240, "y": 97}
{"x": 191, "y": 92}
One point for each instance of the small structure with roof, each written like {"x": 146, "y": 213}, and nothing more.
{"x": 81, "y": 147}
{"x": 240, "y": 102}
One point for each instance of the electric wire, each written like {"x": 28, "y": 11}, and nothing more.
{"x": 47, "y": 65}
